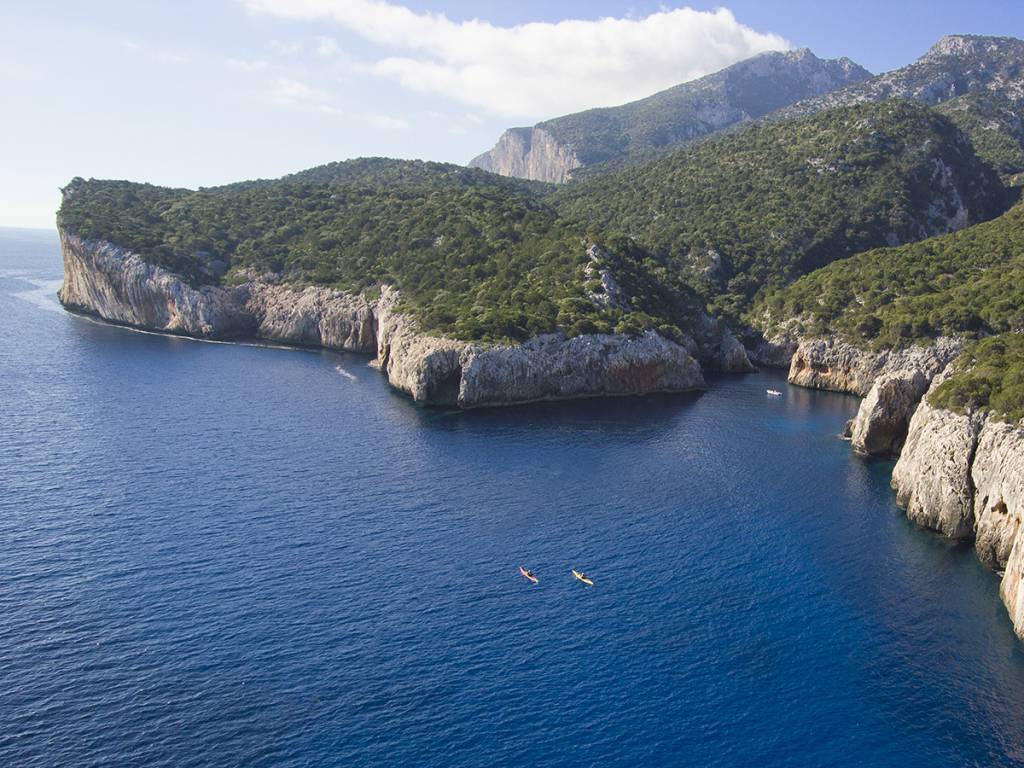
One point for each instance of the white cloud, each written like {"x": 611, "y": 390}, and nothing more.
{"x": 162, "y": 55}
{"x": 294, "y": 93}
{"x": 285, "y": 49}
{"x": 246, "y": 65}
{"x": 326, "y": 47}
{"x": 537, "y": 69}
{"x": 386, "y": 122}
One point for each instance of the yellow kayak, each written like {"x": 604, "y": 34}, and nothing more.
{"x": 583, "y": 577}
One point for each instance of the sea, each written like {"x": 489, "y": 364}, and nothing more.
{"x": 240, "y": 555}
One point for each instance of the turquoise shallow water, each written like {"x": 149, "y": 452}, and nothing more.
{"x": 227, "y": 555}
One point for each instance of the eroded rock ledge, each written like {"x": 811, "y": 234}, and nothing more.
{"x": 102, "y": 279}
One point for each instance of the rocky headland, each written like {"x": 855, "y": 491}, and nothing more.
{"x": 112, "y": 283}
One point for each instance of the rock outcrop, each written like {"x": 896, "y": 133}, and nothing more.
{"x": 109, "y": 281}
{"x": 891, "y": 382}
{"x": 117, "y": 285}
{"x": 963, "y": 476}
{"x": 529, "y": 153}
{"x": 884, "y": 416}
{"x": 997, "y": 474}
{"x": 842, "y": 367}
{"x": 932, "y": 478}
{"x": 313, "y": 317}
{"x": 718, "y": 349}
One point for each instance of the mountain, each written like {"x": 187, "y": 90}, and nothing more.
{"x": 767, "y": 204}
{"x": 954, "y": 66}
{"x": 551, "y": 150}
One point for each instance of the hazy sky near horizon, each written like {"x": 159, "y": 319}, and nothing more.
{"x": 204, "y": 92}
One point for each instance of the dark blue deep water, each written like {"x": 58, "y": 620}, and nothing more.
{"x": 218, "y": 555}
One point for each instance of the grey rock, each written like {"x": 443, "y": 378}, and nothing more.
{"x": 529, "y": 153}
{"x": 932, "y": 478}
{"x": 837, "y": 365}
{"x": 884, "y": 416}
{"x": 998, "y": 477}
{"x": 117, "y": 285}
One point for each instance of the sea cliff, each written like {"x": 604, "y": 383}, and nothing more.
{"x": 963, "y": 476}
{"x": 110, "y": 282}
{"x": 959, "y": 474}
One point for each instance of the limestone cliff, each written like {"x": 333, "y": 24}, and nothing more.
{"x": 932, "y": 478}
{"x": 963, "y": 475}
{"x": 529, "y": 153}
{"x": 833, "y": 364}
{"x": 883, "y": 418}
{"x": 112, "y": 283}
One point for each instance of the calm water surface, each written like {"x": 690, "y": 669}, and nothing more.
{"x": 218, "y": 555}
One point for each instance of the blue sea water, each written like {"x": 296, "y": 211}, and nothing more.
{"x": 223, "y": 555}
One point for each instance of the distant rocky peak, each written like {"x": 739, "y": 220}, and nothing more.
{"x": 971, "y": 45}
{"x": 552, "y": 150}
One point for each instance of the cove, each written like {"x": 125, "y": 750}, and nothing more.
{"x": 226, "y": 555}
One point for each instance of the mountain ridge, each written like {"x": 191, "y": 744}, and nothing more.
{"x": 552, "y": 149}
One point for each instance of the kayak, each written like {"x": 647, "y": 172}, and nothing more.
{"x": 583, "y": 577}
{"x": 528, "y": 574}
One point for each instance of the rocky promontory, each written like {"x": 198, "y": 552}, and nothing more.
{"x": 117, "y": 285}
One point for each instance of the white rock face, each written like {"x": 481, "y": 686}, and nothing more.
{"x": 884, "y": 416}
{"x": 932, "y": 478}
{"x": 117, "y": 285}
{"x": 529, "y": 153}
{"x": 315, "y": 317}
{"x": 836, "y": 365}
{"x": 997, "y": 474}
{"x": 553, "y": 367}
{"x": 106, "y": 280}
{"x": 963, "y": 475}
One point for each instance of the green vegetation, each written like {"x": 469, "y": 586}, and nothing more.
{"x": 989, "y": 377}
{"x": 767, "y": 204}
{"x": 995, "y": 126}
{"x": 969, "y": 282}
{"x": 477, "y": 256}
{"x": 733, "y": 219}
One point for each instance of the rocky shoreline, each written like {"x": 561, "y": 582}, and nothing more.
{"x": 962, "y": 476}
{"x": 112, "y": 283}
{"x": 959, "y": 475}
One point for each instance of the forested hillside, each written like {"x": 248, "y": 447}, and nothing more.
{"x": 775, "y": 201}
{"x": 475, "y": 255}
{"x": 966, "y": 283}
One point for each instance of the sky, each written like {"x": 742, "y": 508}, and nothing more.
{"x": 191, "y": 93}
